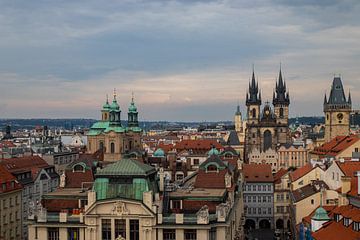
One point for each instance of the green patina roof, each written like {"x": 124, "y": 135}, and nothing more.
{"x": 321, "y": 215}
{"x": 117, "y": 129}
{"x": 100, "y": 125}
{"x": 213, "y": 160}
{"x": 159, "y": 153}
{"x": 126, "y": 167}
{"x": 114, "y": 105}
{"x": 213, "y": 151}
{"x": 132, "y": 108}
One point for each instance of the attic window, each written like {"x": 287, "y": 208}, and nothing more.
{"x": 78, "y": 168}
{"x": 211, "y": 168}
{"x": 346, "y": 222}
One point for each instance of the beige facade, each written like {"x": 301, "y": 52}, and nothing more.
{"x": 292, "y": 156}
{"x": 337, "y": 123}
{"x": 11, "y": 215}
{"x": 282, "y": 202}
{"x": 269, "y": 156}
{"x": 315, "y": 174}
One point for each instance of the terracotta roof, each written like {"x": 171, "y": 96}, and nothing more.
{"x": 56, "y": 205}
{"x": 201, "y": 145}
{"x": 24, "y": 163}
{"x": 336, "y": 145}
{"x": 7, "y": 178}
{"x": 300, "y": 172}
{"x": 257, "y": 173}
{"x": 279, "y": 174}
{"x": 6, "y": 144}
{"x": 349, "y": 168}
{"x": 75, "y": 179}
{"x": 210, "y": 179}
{"x": 334, "y": 230}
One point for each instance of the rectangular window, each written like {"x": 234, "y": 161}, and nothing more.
{"x": 254, "y": 198}
{"x": 269, "y": 211}
{"x": 259, "y": 210}
{"x": 212, "y": 233}
{"x": 169, "y": 234}
{"x": 53, "y": 233}
{"x": 190, "y": 234}
{"x": 259, "y": 188}
{"x": 196, "y": 161}
{"x": 120, "y": 228}
{"x": 134, "y": 230}
{"x": 264, "y": 198}
{"x": 176, "y": 204}
{"x": 106, "y": 229}
{"x": 73, "y": 234}
{"x": 254, "y": 188}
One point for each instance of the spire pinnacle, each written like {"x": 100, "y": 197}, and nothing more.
{"x": 107, "y": 98}
{"x": 132, "y": 97}
{"x": 114, "y": 93}
{"x": 349, "y": 98}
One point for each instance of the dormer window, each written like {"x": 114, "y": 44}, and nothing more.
{"x": 79, "y": 168}
{"x": 211, "y": 168}
{"x": 356, "y": 226}
{"x": 346, "y": 222}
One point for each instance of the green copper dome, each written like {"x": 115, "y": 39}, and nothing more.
{"x": 132, "y": 107}
{"x": 321, "y": 215}
{"x": 114, "y": 105}
{"x": 159, "y": 153}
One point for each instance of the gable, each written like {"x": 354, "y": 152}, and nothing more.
{"x": 119, "y": 207}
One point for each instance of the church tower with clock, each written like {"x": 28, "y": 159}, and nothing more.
{"x": 337, "y": 111}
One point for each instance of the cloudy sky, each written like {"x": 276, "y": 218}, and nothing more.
{"x": 184, "y": 60}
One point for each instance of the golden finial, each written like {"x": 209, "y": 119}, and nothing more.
{"x": 114, "y": 93}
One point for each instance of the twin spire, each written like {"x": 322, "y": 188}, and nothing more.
{"x": 280, "y": 95}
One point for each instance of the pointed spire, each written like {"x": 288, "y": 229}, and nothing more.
{"x": 107, "y": 98}
{"x": 114, "y": 94}
{"x": 260, "y": 96}
{"x": 325, "y": 99}
{"x": 132, "y": 97}
{"x": 349, "y": 98}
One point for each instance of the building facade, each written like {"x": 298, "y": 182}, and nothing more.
{"x": 337, "y": 111}
{"x": 111, "y": 136}
{"x": 258, "y": 196}
{"x": 10, "y": 206}
{"x": 269, "y": 127}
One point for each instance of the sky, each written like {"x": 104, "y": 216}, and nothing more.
{"x": 185, "y": 60}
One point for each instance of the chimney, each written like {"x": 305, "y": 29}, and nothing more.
{"x": 358, "y": 181}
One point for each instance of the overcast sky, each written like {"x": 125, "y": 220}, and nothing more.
{"x": 184, "y": 60}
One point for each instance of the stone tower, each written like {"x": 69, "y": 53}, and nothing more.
{"x": 253, "y": 101}
{"x": 337, "y": 111}
{"x": 238, "y": 120}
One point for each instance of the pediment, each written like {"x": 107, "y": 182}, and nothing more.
{"x": 119, "y": 207}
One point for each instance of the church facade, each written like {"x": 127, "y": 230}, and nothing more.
{"x": 111, "y": 136}
{"x": 267, "y": 126}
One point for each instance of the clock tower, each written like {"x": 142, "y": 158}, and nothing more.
{"x": 337, "y": 111}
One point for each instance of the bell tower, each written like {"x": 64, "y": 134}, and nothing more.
{"x": 253, "y": 102}
{"x": 337, "y": 111}
{"x": 281, "y": 101}
{"x": 238, "y": 120}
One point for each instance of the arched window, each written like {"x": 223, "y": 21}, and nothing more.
{"x": 267, "y": 140}
{"x": 101, "y": 145}
{"x": 112, "y": 147}
{"x": 253, "y": 113}
{"x": 211, "y": 168}
{"x": 78, "y": 168}
{"x": 281, "y": 112}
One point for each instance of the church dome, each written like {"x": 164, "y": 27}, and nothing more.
{"x": 132, "y": 107}
{"x": 321, "y": 215}
{"x": 114, "y": 105}
{"x": 106, "y": 106}
{"x": 159, "y": 153}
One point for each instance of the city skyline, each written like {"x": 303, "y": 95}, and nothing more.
{"x": 184, "y": 60}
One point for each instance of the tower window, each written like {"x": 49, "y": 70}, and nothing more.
{"x": 253, "y": 113}
{"x": 281, "y": 112}
{"x": 112, "y": 147}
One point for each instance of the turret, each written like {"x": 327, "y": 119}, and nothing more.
{"x": 253, "y": 101}
{"x": 133, "y": 114}
{"x": 115, "y": 111}
{"x": 238, "y": 120}
{"x": 281, "y": 100}
{"x": 105, "y": 110}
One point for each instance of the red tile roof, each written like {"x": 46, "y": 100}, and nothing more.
{"x": 300, "y": 172}
{"x": 279, "y": 174}
{"x": 336, "y": 145}
{"x": 335, "y": 231}
{"x": 75, "y": 179}
{"x": 201, "y": 145}
{"x": 56, "y": 205}
{"x": 349, "y": 168}
{"x": 6, "y": 144}
{"x": 7, "y": 178}
{"x": 257, "y": 173}
{"x": 210, "y": 179}
{"x": 24, "y": 163}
